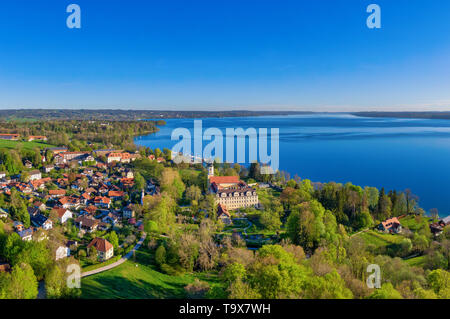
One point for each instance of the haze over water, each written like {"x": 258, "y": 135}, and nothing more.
{"x": 382, "y": 152}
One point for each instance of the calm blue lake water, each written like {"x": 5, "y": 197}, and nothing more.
{"x": 381, "y": 152}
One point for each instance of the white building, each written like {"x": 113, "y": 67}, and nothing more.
{"x": 34, "y": 175}
{"x": 62, "y": 252}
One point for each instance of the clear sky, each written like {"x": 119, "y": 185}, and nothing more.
{"x": 226, "y": 54}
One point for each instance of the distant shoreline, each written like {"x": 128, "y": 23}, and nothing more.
{"x": 407, "y": 115}
{"x": 134, "y": 115}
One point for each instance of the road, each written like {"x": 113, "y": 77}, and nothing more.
{"x": 117, "y": 263}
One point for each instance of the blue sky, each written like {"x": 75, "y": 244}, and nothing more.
{"x": 226, "y": 54}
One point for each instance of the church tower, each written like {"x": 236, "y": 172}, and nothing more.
{"x": 210, "y": 171}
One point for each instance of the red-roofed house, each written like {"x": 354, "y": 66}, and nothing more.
{"x": 56, "y": 193}
{"x": 116, "y": 194}
{"x": 63, "y": 214}
{"x": 105, "y": 249}
{"x": 103, "y": 202}
{"x": 391, "y": 225}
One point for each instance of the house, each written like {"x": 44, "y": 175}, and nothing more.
{"x": 114, "y": 157}
{"x": 26, "y": 234}
{"x": 62, "y": 252}
{"x": 65, "y": 157}
{"x": 111, "y": 218}
{"x": 39, "y": 184}
{"x": 103, "y": 202}
{"x": 86, "y": 223}
{"x": 11, "y": 137}
{"x": 2, "y": 175}
{"x": 391, "y": 225}
{"x": 35, "y": 175}
{"x": 57, "y": 150}
{"x": 129, "y": 174}
{"x": 128, "y": 212}
{"x": 37, "y": 138}
{"x": 49, "y": 168}
{"x": 4, "y": 268}
{"x": 127, "y": 182}
{"x": 63, "y": 214}
{"x": 445, "y": 222}
{"x": 54, "y": 193}
{"x": 28, "y": 164}
{"x": 105, "y": 249}
{"x": 116, "y": 195}
{"x": 3, "y": 213}
{"x": 69, "y": 202}
{"x": 438, "y": 228}
{"x": 91, "y": 209}
{"x": 40, "y": 221}
{"x": 41, "y": 206}
{"x": 18, "y": 226}
{"x": 105, "y": 152}
{"x": 223, "y": 214}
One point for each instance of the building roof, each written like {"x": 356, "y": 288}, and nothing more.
{"x": 224, "y": 179}
{"x": 446, "y": 220}
{"x": 25, "y": 233}
{"x": 100, "y": 244}
{"x": 222, "y": 209}
{"x": 60, "y": 211}
{"x": 86, "y": 221}
{"x": 57, "y": 192}
{"x": 12, "y": 135}
{"x": 392, "y": 222}
{"x": 104, "y": 200}
{"x": 115, "y": 193}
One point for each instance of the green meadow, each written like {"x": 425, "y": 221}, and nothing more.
{"x": 139, "y": 279}
{"x": 26, "y": 145}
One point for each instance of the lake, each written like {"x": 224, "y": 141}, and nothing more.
{"x": 382, "y": 152}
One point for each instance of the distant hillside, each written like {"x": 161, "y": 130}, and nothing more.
{"x": 126, "y": 115}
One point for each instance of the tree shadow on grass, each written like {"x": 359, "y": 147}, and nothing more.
{"x": 122, "y": 288}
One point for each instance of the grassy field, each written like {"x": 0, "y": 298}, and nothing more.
{"x": 378, "y": 239}
{"x": 25, "y": 145}
{"x": 415, "y": 223}
{"x": 418, "y": 261}
{"x": 143, "y": 281}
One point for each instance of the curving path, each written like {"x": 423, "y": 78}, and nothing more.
{"x": 117, "y": 263}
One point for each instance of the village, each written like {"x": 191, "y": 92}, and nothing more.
{"x": 91, "y": 192}
{"x": 95, "y": 198}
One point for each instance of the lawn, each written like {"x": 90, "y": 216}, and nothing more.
{"x": 139, "y": 280}
{"x": 25, "y": 145}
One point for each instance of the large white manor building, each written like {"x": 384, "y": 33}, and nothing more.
{"x": 231, "y": 191}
